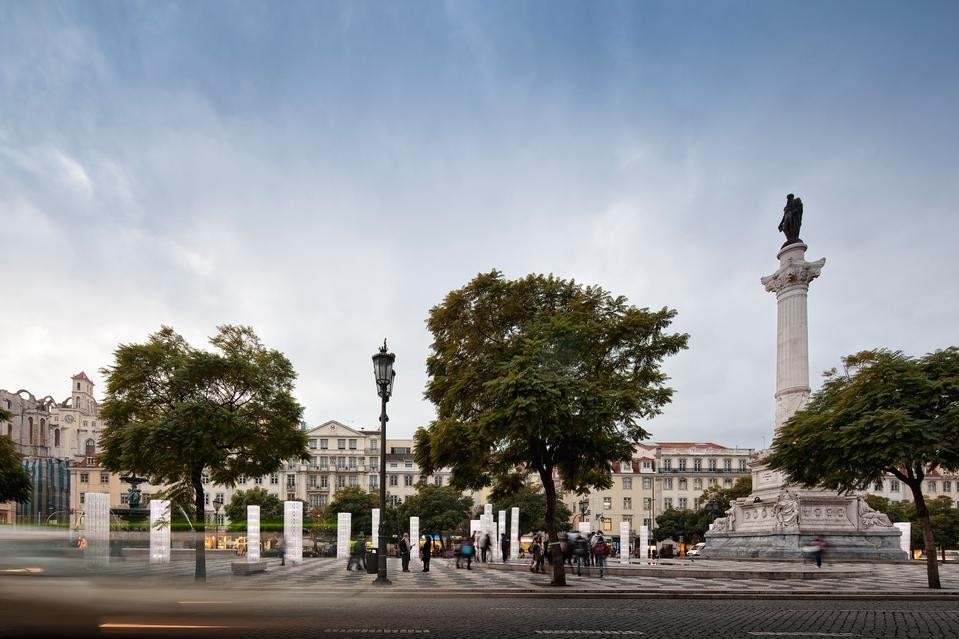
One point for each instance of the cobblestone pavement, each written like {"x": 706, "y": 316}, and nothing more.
{"x": 741, "y": 578}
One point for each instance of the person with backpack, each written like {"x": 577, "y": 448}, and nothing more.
{"x": 600, "y": 552}
{"x": 405, "y": 548}
{"x": 580, "y": 551}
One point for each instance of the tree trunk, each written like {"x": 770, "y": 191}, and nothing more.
{"x": 199, "y": 535}
{"x": 559, "y": 569}
{"x": 928, "y": 543}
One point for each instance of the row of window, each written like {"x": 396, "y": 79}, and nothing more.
{"x": 648, "y": 503}
{"x": 711, "y": 464}
{"x": 682, "y": 483}
{"x": 341, "y": 444}
{"x": 932, "y": 486}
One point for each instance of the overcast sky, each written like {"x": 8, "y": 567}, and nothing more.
{"x": 326, "y": 172}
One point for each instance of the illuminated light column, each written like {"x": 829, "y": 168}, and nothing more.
{"x": 514, "y": 533}
{"x": 344, "y": 523}
{"x": 159, "y": 531}
{"x": 252, "y": 534}
{"x": 293, "y": 531}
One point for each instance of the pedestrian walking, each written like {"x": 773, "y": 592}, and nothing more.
{"x": 405, "y": 548}
{"x": 580, "y": 551}
{"x": 538, "y": 552}
{"x": 426, "y": 552}
{"x": 818, "y": 546}
{"x": 504, "y": 546}
{"x": 357, "y": 555}
{"x": 486, "y": 545}
{"x": 601, "y": 551}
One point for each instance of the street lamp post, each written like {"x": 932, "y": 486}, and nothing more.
{"x": 583, "y": 510}
{"x": 384, "y": 374}
{"x": 217, "y": 504}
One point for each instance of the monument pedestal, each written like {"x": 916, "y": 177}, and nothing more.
{"x": 779, "y": 525}
{"x": 778, "y": 520}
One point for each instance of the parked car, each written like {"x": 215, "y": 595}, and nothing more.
{"x": 696, "y": 550}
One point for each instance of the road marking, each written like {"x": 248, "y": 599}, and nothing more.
{"x": 589, "y": 632}
{"x": 804, "y": 634}
{"x": 377, "y": 631}
{"x": 159, "y": 626}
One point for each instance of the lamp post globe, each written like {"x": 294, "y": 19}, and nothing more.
{"x": 384, "y": 375}
{"x": 217, "y": 504}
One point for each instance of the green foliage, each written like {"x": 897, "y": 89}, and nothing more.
{"x": 357, "y": 501}
{"x": 174, "y": 413}
{"x": 531, "y": 502}
{"x": 672, "y": 524}
{"x": 271, "y": 508}
{"x": 441, "y": 509}
{"x": 14, "y": 479}
{"x": 895, "y": 510}
{"x": 944, "y": 520}
{"x": 540, "y": 375}
{"x": 717, "y": 500}
{"x": 885, "y": 413}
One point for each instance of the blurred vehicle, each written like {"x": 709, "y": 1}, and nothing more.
{"x": 696, "y": 550}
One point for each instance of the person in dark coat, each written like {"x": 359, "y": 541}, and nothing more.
{"x": 504, "y": 546}
{"x": 405, "y": 548}
{"x": 426, "y": 552}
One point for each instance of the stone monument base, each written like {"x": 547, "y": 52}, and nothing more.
{"x": 864, "y": 546}
{"x": 779, "y": 525}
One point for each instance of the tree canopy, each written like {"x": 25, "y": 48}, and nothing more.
{"x": 271, "y": 508}
{"x": 174, "y": 413}
{"x": 359, "y": 503}
{"x": 541, "y": 375}
{"x": 441, "y": 509}
{"x": 531, "y": 502}
{"x": 15, "y": 482}
{"x": 686, "y": 525}
{"x": 884, "y": 413}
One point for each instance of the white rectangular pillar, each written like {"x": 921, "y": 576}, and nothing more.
{"x": 499, "y": 534}
{"x": 293, "y": 531}
{"x": 97, "y": 518}
{"x": 159, "y": 531}
{"x": 905, "y": 541}
{"x": 643, "y": 542}
{"x": 344, "y": 524}
{"x": 415, "y": 540}
{"x": 376, "y": 528}
{"x": 624, "y": 542}
{"x": 252, "y": 533}
{"x": 514, "y": 533}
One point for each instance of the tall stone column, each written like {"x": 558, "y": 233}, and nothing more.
{"x": 790, "y": 283}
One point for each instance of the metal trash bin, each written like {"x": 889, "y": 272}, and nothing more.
{"x": 372, "y": 565}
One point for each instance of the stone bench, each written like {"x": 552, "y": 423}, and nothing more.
{"x": 248, "y": 567}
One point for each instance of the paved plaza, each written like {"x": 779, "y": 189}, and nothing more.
{"x": 673, "y": 579}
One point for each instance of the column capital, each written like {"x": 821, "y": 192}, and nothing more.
{"x": 793, "y": 270}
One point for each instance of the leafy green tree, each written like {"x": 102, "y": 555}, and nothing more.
{"x": 174, "y": 413}
{"x": 14, "y": 479}
{"x": 359, "y": 503}
{"x": 271, "y": 508}
{"x": 541, "y": 375}
{"x": 885, "y": 413}
{"x": 716, "y": 500}
{"x": 441, "y": 509}
{"x": 944, "y": 520}
{"x": 687, "y": 525}
{"x": 531, "y": 502}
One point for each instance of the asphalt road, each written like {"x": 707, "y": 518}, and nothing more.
{"x": 75, "y": 608}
